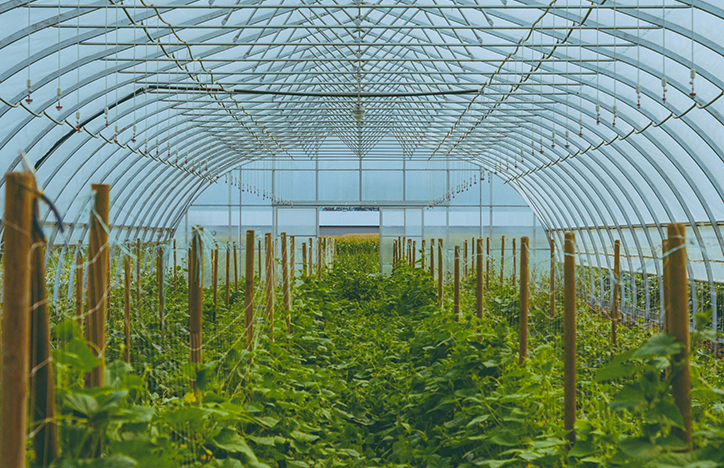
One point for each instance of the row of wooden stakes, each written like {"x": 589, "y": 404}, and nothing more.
{"x": 27, "y": 372}
{"x": 676, "y": 303}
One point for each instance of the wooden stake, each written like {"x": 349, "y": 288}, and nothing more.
{"x": 616, "y": 285}
{"x": 679, "y": 326}
{"x": 502, "y": 260}
{"x": 422, "y": 254}
{"x": 553, "y": 279}
{"x": 127, "y": 307}
{"x": 319, "y": 258}
{"x": 414, "y": 253}
{"x": 487, "y": 263}
{"x": 79, "y": 285}
{"x": 523, "y": 316}
{"x": 16, "y": 318}
{"x": 569, "y": 336}
{"x": 259, "y": 249}
{"x": 196, "y": 296}
{"x": 465, "y": 259}
{"x": 161, "y": 298}
{"x": 304, "y": 257}
{"x": 285, "y": 273}
{"x": 479, "y": 279}
{"x": 236, "y": 269}
{"x": 292, "y": 265}
{"x": 439, "y": 272}
{"x": 98, "y": 279}
{"x": 311, "y": 260}
{"x": 249, "y": 289}
{"x": 215, "y": 276}
{"x": 138, "y": 275}
{"x": 432, "y": 259}
{"x": 228, "y": 274}
{"x": 45, "y": 442}
{"x": 269, "y": 284}
{"x": 456, "y": 297}
{"x": 175, "y": 273}
{"x": 515, "y": 261}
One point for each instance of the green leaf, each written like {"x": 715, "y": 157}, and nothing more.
{"x": 229, "y": 463}
{"x": 303, "y": 437}
{"x": 666, "y": 411}
{"x": 639, "y": 447}
{"x": 83, "y": 404}
{"x": 114, "y": 461}
{"x": 582, "y": 448}
{"x": 659, "y": 345}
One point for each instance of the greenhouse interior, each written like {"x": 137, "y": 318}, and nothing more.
{"x": 362, "y": 233}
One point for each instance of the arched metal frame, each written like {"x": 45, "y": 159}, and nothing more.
{"x": 278, "y": 77}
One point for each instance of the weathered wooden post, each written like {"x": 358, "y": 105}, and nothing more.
{"x": 138, "y": 275}
{"x": 456, "y": 278}
{"x": 320, "y": 258}
{"x": 269, "y": 284}
{"x": 432, "y": 259}
{"x": 304, "y": 257}
{"x": 553, "y": 279}
{"x": 422, "y": 255}
{"x": 394, "y": 253}
{"x": 215, "y": 276}
{"x": 285, "y": 272}
{"x": 465, "y": 259}
{"x": 487, "y": 263}
{"x": 515, "y": 261}
{"x": 175, "y": 275}
{"x": 228, "y": 275}
{"x": 161, "y": 298}
{"x": 45, "y": 441}
{"x": 79, "y": 285}
{"x": 98, "y": 260}
{"x": 414, "y": 253}
{"x": 524, "y": 297}
{"x": 196, "y": 297}
{"x": 18, "y": 222}
{"x": 236, "y": 269}
{"x": 569, "y": 336}
{"x": 502, "y": 260}
{"x": 259, "y": 250}
{"x": 439, "y": 272}
{"x": 249, "y": 289}
{"x": 679, "y": 324}
{"x": 479, "y": 279}
{"x": 292, "y": 266}
{"x": 616, "y": 285}
{"x": 127, "y": 306}
{"x": 311, "y": 260}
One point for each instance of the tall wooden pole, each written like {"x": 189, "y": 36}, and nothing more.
{"x": 236, "y": 269}
{"x": 616, "y": 286}
{"x": 138, "y": 275}
{"x": 394, "y": 253}
{"x": 432, "y": 259}
{"x": 319, "y": 258}
{"x": 414, "y": 253}
{"x": 196, "y": 296}
{"x": 456, "y": 297}
{"x": 127, "y": 307}
{"x": 42, "y": 385}
{"x": 249, "y": 289}
{"x": 304, "y": 257}
{"x": 285, "y": 272}
{"x": 553, "y": 279}
{"x": 161, "y": 298}
{"x": 175, "y": 273}
{"x": 479, "y": 279}
{"x": 215, "y": 276}
{"x": 465, "y": 259}
{"x": 311, "y": 260}
{"x": 228, "y": 275}
{"x": 439, "y": 272}
{"x": 524, "y": 296}
{"x": 292, "y": 265}
{"x": 667, "y": 287}
{"x": 98, "y": 279}
{"x": 16, "y": 318}
{"x": 569, "y": 336}
{"x": 679, "y": 324}
{"x": 269, "y": 283}
{"x": 515, "y": 261}
{"x": 422, "y": 255}
{"x": 487, "y": 263}
{"x": 79, "y": 285}
{"x": 502, "y": 260}
{"x": 259, "y": 250}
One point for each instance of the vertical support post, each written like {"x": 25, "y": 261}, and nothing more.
{"x": 127, "y": 307}
{"x": 487, "y": 263}
{"x": 524, "y": 297}
{"x": 432, "y": 259}
{"x": 422, "y": 254}
{"x": 319, "y": 258}
{"x": 614, "y": 296}
{"x": 249, "y": 289}
{"x": 553, "y": 278}
{"x": 502, "y": 260}
{"x": 269, "y": 284}
{"x": 196, "y": 297}
{"x": 259, "y": 250}
{"x": 228, "y": 274}
{"x": 439, "y": 272}
{"x": 175, "y": 275}
{"x": 285, "y": 272}
{"x": 679, "y": 324}
{"x": 304, "y": 257}
{"x": 42, "y": 385}
{"x": 465, "y": 259}
{"x": 394, "y": 253}
{"x": 236, "y": 269}
{"x": 311, "y": 260}
{"x": 215, "y": 276}
{"x": 79, "y": 285}
{"x": 569, "y": 335}
{"x": 138, "y": 275}
{"x": 16, "y": 318}
{"x": 667, "y": 287}
{"x": 292, "y": 265}
{"x": 161, "y": 298}
{"x": 456, "y": 297}
{"x": 479, "y": 279}
{"x": 97, "y": 279}
{"x": 515, "y": 260}
{"x": 414, "y": 253}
